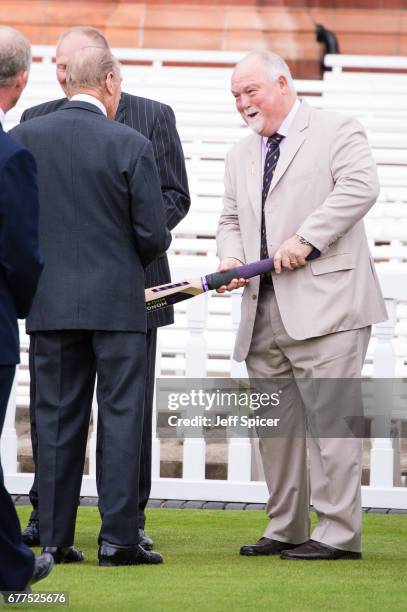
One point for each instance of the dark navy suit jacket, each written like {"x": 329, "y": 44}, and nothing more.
{"x": 20, "y": 258}
{"x": 155, "y": 121}
{"x": 102, "y": 220}
{"x": 20, "y": 268}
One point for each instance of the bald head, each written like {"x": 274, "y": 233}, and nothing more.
{"x": 95, "y": 71}
{"x": 272, "y": 64}
{"x": 71, "y": 41}
{"x": 15, "y": 55}
{"x": 264, "y": 91}
{"x": 92, "y": 35}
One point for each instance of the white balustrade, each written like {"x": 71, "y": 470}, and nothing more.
{"x": 239, "y": 486}
{"x": 9, "y": 442}
{"x": 156, "y": 449}
{"x": 239, "y": 449}
{"x": 238, "y": 368}
{"x": 93, "y": 436}
{"x": 194, "y": 449}
{"x": 373, "y": 62}
{"x": 384, "y": 455}
{"x": 201, "y": 339}
{"x": 382, "y": 452}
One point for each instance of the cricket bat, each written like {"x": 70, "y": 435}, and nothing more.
{"x": 172, "y": 293}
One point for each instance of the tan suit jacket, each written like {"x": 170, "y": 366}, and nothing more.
{"x": 324, "y": 184}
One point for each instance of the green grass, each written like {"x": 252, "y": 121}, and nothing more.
{"x": 204, "y": 572}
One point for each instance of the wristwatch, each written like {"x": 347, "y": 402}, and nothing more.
{"x": 303, "y": 240}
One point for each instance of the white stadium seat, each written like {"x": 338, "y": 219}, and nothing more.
{"x": 209, "y": 125}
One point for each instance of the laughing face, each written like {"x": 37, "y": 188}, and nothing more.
{"x": 263, "y": 103}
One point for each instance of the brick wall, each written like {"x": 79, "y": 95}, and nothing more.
{"x": 287, "y": 27}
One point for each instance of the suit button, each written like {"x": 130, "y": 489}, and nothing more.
{"x": 254, "y": 296}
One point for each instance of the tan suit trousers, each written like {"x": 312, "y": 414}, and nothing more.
{"x": 335, "y": 464}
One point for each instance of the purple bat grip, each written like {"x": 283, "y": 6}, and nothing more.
{"x": 217, "y": 279}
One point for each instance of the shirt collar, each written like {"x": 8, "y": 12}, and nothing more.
{"x": 2, "y": 117}
{"x": 285, "y": 126}
{"x": 90, "y": 99}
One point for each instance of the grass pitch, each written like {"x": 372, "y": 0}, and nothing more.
{"x": 204, "y": 572}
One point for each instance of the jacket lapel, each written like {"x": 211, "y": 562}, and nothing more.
{"x": 254, "y": 173}
{"x": 295, "y": 139}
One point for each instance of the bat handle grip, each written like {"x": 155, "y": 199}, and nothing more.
{"x": 217, "y": 279}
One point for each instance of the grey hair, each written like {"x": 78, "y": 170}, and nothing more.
{"x": 274, "y": 64}
{"x": 92, "y": 33}
{"x": 15, "y": 55}
{"x": 89, "y": 67}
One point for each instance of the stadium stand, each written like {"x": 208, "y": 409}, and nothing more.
{"x": 209, "y": 125}
{"x": 201, "y": 340}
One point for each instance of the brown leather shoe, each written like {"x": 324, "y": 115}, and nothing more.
{"x": 316, "y": 551}
{"x": 265, "y": 546}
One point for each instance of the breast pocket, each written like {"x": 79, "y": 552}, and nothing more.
{"x": 333, "y": 263}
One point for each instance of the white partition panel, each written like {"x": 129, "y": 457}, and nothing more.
{"x": 201, "y": 340}
{"x": 9, "y": 442}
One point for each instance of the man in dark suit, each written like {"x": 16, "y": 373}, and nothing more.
{"x": 20, "y": 268}
{"x": 156, "y": 122}
{"x": 102, "y": 221}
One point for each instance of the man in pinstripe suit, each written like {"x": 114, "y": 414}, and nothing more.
{"x": 156, "y": 122}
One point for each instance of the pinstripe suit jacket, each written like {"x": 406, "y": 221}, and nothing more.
{"x": 156, "y": 121}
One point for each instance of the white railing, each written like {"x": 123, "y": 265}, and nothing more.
{"x": 384, "y": 455}
{"x": 366, "y": 62}
{"x": 187, "y": 57}
{"x": 156, "y": 57}
{"x": 200, "y": 342}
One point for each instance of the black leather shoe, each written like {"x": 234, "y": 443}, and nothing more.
{"x": 31, "y": 534}
{"x": 43, "y": 566}
{"x": 316, "y": 551}
{"x": 70, "y": 554}
{"x": 111, "y": 555}
{"x": 145, "y": 541}
{"x": 265, "y": 546}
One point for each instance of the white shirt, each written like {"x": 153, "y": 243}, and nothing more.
{"x": 90, "y": 99}
{"x": 283, "y": 130}
{"x": 2, "y": 117}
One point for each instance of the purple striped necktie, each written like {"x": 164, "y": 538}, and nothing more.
{"x": 273, "y": 153}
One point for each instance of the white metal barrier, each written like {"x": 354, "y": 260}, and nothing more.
{"x": 365, "y": 62}
{"x": 201, "y": 340}
{"x": 209, "y": 125}
{"x": 188, "y": 57}
{"x": 381, "y": 363}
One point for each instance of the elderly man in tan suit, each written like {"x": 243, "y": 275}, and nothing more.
{"x": 303, "y": 181}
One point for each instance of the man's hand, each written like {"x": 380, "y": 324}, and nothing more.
{"x": 227, "y": 264}
{"x": 291, "y": 254}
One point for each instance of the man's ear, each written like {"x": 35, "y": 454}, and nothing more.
{"x": 109, "y": 82}
{"x": 21, "y": 80}
{"x": 282, "y": 82}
